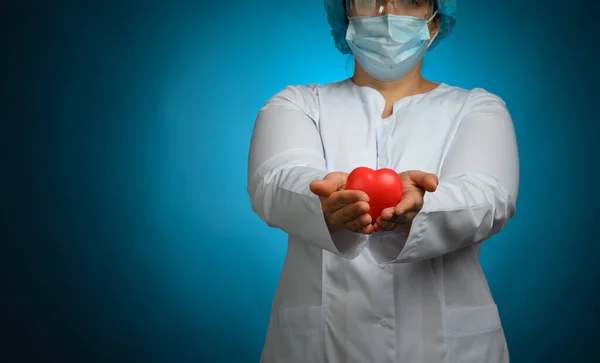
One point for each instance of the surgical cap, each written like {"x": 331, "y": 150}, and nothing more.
{"x": 337, "y": 19}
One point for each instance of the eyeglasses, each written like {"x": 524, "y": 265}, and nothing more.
{"x": 414, "y": 8}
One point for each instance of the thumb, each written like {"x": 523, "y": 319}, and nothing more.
{"x": 331, "y": 183}
{"x": 426, "y": 181}
{"x": 337, "y": 177}
{"x": 430, "y": 183}
{"x": 323, "y": 188}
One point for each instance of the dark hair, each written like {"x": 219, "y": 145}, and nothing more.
{"x": 346, "y": 21}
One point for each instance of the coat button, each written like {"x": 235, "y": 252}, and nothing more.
{"x": 383, "y": 322}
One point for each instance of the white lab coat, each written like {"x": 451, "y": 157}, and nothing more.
{"x": 388, "y": 297}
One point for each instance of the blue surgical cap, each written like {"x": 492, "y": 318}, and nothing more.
{"x": 337, "y": 19}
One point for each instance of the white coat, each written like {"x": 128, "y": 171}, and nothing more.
{"x": 388, "y": 297}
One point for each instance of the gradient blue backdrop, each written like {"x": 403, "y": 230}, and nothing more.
{"x": 127, "y": 232}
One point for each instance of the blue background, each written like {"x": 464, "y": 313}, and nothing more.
{"x": 127, "y": 233}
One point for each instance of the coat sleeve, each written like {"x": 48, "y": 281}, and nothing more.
{"x": 477, "y": 192}
{"x": 286, "y": 155}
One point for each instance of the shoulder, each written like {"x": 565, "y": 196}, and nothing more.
{"x": 474, "y": 99}
{"x": 300, "y": 97}
{"x": 303, "y": 98}
{"x": 469, "y": 96}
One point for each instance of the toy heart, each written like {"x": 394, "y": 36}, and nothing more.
{"x": 383, "y": 186}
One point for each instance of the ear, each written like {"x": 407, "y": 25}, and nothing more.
{"x": 434, "y": 26}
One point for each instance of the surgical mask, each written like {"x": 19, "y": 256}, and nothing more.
{"x": 388, "y": 47}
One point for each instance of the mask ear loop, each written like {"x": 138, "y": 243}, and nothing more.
{"x": 433, "y": 16}
{"x": 436, "y": 33}
{"x": 350, "y": 56}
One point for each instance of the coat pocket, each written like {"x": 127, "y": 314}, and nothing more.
{"x": 296, "y": 335}
{"x": 474, "y": 335}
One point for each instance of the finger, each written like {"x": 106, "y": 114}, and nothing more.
{"x": 368, "y": 229}
{"x": 424, "y": 180}
{"x": 359, "y": 223}
{"x": 412, "y": 201}
{"x": 405, "y": 218}
{"x": 388, "y": 213}
{"x": 386, "y": 221}
{"x": 339, "y": 199}
{"x": 349, "y": 212}
{"x": 386, "y": 225}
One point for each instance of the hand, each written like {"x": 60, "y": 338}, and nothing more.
{"x": 415, "y": 184}
{"x": 343, "y": 209}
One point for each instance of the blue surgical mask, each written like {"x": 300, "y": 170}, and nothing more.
{"x": 388, "y": 47}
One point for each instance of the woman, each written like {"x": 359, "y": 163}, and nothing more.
{"x": 407, "y": 287}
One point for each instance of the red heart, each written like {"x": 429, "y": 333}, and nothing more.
{"x": 383, "y": 186}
